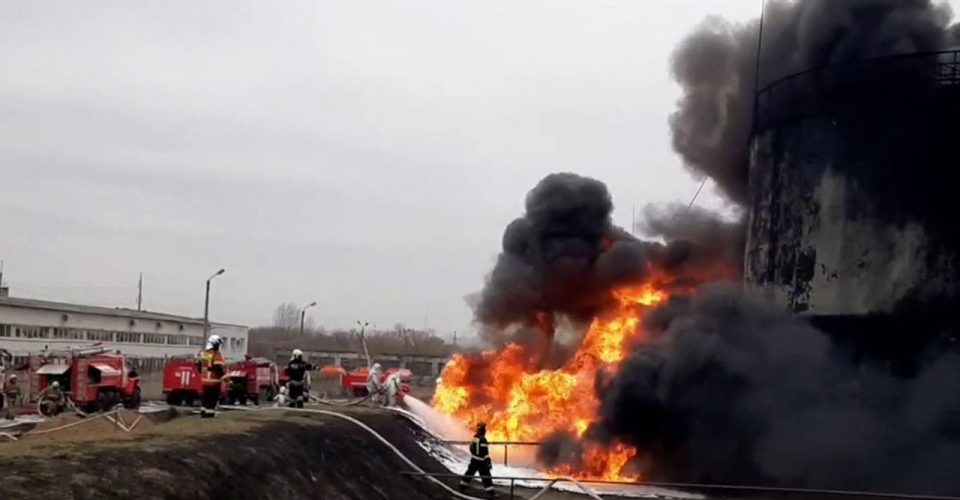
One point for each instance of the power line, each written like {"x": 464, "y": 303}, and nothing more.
{"x": 697, "y": 194}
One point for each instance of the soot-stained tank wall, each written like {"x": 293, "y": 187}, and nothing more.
{"x": 853, "y": 192}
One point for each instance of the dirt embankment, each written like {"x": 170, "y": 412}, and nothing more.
{"x": 263, "y": 455}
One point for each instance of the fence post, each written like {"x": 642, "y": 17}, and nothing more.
{"x": 505, "y": 462}
{"x": 511, "y": 488}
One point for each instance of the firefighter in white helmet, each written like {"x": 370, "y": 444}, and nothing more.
{"x": 52, "y": 400}
{"x": 297, "y": 370}
{"x": 394, "y": 389}
{"x": 374, "y": 383}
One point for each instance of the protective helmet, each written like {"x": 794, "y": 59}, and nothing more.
{"x": 297, "y": 354}
{"x": 55, "y": 384}
{"x": 13, "y": 376}
{"x": 376, "y": 367}
{"x": 482, "y": 428}
{"x": 283, "y": 389}
{"x": 214, "y": 341}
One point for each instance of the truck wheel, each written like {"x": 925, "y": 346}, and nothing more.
{"x": 103, "y": 402}
{"x": 174, "y": 399}
{"x": 133, "y": 402}
{"x": 255, "y": 400}
{"x": 242, "y": 400}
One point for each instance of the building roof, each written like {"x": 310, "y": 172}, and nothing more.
{"x": 103, "y": 311}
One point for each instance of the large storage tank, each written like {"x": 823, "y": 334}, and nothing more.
{"x": 854, "y": 193}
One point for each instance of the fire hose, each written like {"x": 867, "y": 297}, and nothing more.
{"x": 587, "y": 491}
{"x": 68, "y": 404}
{"x": 71, "y": 424}
{"x": 340, "y": 403}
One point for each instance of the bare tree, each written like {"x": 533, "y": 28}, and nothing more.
{"x": 287, "y": 316}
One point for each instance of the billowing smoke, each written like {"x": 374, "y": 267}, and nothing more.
{"x": 720, "y": 388}
{"x": 715, "y": 66}
{"x": 676, "y": 223}
{"x": 564, "y": 255}
{"x": 729, "y": 390}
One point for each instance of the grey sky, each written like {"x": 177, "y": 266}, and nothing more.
{"x": 366, "y": 155}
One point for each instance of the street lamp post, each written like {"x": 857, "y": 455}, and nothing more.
{"x": 206, "y": 305}
{"x": 303, "y": 314}
{"x": 363, "y": 342}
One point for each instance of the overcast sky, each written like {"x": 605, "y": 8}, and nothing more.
{"x": 363, "y": 154}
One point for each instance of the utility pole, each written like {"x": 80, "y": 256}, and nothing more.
{"x": 140, "y": 293}
{"x": 206, "y": 306}
{"x": 454, "y": 337}
{"x": 303, "y": 315}
{"x": 363, "y": 342}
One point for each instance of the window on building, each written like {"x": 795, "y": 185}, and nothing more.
{"x": 67, "y": 333}
{"x": 197, "y": 341}
{"x": 177, "y": 339}
{"x": 99, "y": 336}
{"x": 33, "y": 332}
{"x": 128, "y": 337}
{"x": 5, "y": 330}
{"x": 154, "y": 338}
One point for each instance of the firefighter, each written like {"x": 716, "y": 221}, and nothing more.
{"x": 297, "y": 370}
{"x": 280, "y": 400}
{"x": 479, "y": 462}
{"x": 10, "y": 396}
{"x": 211, "y": 373}
{"x": 394, "y": 389}
{"x": 374, "y": 385}
{"x": 52, "y": 400}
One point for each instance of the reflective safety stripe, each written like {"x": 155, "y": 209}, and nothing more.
{"x": 488, "y": 488}
{"x": 475, "y": 457}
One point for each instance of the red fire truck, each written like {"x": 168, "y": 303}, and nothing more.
{"x": 92, "y": 378}
{"x": 181, "y": 381}
{"x": 254, "y": 379}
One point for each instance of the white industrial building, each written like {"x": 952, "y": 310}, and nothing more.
{"x": 29, "y": 327}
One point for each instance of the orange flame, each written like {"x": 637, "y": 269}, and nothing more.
{"x": 520, "y": 403}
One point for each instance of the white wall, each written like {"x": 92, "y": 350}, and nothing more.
{"x": 235, "y": 342}
{"x": 141, "y": 338}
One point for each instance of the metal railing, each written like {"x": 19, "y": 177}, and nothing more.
{"x": 699, "y": 487}
{"x": 808, "y": 92}
{"x": 513, "y": 480}
{"x": 506, "y": 445}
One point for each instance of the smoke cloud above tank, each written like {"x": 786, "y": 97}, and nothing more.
{"x": 715, "y": 67}
{"x": 564, "y": 255}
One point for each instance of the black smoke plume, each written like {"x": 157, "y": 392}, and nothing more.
{"x": 730, "y": 390}
{"x": 564, "y": 256}
{"x": 677, "y": 223}
{"x": 715, "y": 67}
